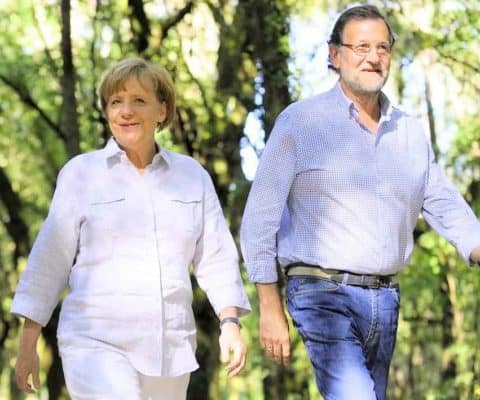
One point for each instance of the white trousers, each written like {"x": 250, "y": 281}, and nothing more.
{"x": 102, "y": 374}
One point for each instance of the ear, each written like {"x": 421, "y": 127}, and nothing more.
{"x": 334, "y": 55}
{"x": 162, "y": 112}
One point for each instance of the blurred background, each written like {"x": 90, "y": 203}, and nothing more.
{"x": 236, "y": 64}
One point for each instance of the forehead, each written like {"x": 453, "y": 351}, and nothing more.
{"x": 132, "y": 83}
{"x": 365, "y": 30}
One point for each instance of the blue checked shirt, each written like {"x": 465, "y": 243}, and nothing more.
{"x": 328, "y": 192}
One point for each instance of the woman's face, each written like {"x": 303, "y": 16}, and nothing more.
{"x": 133, "y": 114}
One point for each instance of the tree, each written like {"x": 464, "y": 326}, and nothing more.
{"x": 231, "y": 60}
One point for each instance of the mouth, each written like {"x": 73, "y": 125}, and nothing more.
{"x": 374, "y": 70}
{"x": 128, "y": 125}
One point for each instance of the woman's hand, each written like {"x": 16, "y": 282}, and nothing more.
{"x": 27, "y": 360}
{"x": 232, "y": 348}
{"x": 27, "y": 364}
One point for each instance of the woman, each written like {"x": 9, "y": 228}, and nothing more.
{"x": 125, "y": 225}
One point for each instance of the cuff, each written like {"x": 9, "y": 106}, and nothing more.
{"x": 23, "y": 307}
{"x": 230, "y": 296}
{"x": 264, "y": 272}
{"x": 470, "y": 242}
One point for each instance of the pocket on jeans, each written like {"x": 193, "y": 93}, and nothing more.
{"x": 395, "y": 291}
{"x": 309, "y": 285}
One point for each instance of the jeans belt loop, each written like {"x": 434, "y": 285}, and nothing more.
{"x": 345, "y": 278}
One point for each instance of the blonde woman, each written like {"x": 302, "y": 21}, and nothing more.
{"x": 124, "y": 226}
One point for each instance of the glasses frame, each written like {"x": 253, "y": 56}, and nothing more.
{"x": 355, "y": 49}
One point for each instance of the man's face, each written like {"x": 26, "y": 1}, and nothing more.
{"x": 362, "y": 74}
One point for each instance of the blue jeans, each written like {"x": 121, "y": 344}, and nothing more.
{"x": 349, "y": 332}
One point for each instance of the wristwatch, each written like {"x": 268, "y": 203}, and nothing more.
{"x": 233, "y": 320}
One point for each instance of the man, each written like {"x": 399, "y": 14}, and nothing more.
{"x": 341, "y": 183}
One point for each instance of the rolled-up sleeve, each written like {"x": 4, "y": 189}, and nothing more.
{"x": 448, "y": 213}
{"x": 52, "y": 254}
{"x": 216, "y": 263}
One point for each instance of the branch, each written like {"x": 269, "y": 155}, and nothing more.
{"x": 169, "y": 23}
{"x": 28, "y": 100}
{"x": 15, "y": 225}
{"x": 217, "y": 13}
{"x": 143, "y": 31}
{"x": 194, "y": 79}
{"x": 50, "y": 61}
{"x": 183, "y": 129}
{"x": 461, "y": 62}
{"x": 431, "y": 116}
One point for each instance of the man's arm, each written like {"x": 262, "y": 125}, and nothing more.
{"x": 447, "y": 212}
{"x": 258, "y": 235}
{"x": 274, "y": 335}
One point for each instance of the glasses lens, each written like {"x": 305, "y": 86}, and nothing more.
{"x": 362, "y": 49}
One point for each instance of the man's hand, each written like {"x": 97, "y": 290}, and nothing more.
{"x": 475, "y": 255}
{"x": 274, "y": 334}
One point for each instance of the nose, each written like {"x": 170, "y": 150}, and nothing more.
{"x": 372, "y": 55}
{"x": 126, "y": 109}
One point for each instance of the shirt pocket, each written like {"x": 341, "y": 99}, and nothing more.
{"x": 181, "y": 219}
{"x": 97, "y": 234}
{"x": 106, "y": 213}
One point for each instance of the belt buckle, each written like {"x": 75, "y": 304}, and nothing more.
{"x": 375, "y": 284}
{"x": 370, "y": 282}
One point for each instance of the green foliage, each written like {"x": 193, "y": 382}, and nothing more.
{"x": 229, "y": 59}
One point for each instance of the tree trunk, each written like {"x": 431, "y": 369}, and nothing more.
{"x": 72, "y": 136}
{"x": 55, "y": 380}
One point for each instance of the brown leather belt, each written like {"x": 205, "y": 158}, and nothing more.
{"x": 348, "y": 278}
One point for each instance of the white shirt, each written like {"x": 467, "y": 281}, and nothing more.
{"x": 124, "y": 243}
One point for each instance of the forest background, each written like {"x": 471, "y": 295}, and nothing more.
{"x": 236, "y": 64}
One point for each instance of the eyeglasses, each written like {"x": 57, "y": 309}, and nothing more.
{"x": 383, "y": 49}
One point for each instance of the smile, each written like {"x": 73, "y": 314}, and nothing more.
{"x": 128, "y": 125}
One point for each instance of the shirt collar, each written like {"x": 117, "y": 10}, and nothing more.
{"x": 114, "y": 154}
{"x": 386, "y": 107}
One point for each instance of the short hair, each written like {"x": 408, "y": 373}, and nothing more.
{"x": 114, "y": 79}
{"x": 357, "y": 13}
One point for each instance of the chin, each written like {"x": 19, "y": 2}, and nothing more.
{"x": 373, "y": 87}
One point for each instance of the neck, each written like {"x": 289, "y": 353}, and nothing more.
{"x": 368, "y": 105}
{"x": 140, "y": 157}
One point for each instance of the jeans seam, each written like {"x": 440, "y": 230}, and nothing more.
{"x": 374, "y": 320}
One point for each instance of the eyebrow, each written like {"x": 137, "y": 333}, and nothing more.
{"x": 130, "y": 94}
